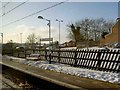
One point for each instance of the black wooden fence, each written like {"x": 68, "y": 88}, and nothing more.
{"x": 103, "y": 60}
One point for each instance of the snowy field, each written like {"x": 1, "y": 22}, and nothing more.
{"x": 66, "y": 69}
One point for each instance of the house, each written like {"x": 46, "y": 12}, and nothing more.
{"x": 114, "y": 36}
{"x": 71, "y": 43}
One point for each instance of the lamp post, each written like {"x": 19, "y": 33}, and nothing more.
{"x": 49, "y": 24}
{"x": 59, "y": 28}
{"x": 40, "y": 17}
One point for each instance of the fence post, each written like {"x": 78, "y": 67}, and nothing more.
{"x": 75, "y": 58}
{"x": 118, "y": 70}
{"x": 98, "y": 58}
{"x": 25, "y": 52}
{"x": 12, "y": 52}
{"x": 50, "y": 58}
{"x": 33, "y": 50}
{"x": 18, "y": 54}
{"x": 45, "y": 54}
{"x": 59, "y": 56}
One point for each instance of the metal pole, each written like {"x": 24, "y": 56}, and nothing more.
{"x": 49, "y": 24}
{"x": 49, "y": 41}
{"x": 49, "y": 31}
{"x": 59, "y": 32}
{"x": 59, "y": 28}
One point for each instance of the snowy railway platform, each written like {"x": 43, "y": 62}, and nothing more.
{"x": 56, "y": 74}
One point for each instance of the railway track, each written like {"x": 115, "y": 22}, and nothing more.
{"x": 7, "y": 84}
{"x": 12, "y": 82}
{"x": 33, "y": 83}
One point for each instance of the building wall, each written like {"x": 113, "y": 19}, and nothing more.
{"x": 114, "y": 36}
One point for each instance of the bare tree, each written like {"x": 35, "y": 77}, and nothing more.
{"x": 97, "y": 28}
{"x": 92, "y": 28}
{"x": 89, "y": 29}
{"x": 31, "y": 40}
{"x": 108, "y": 25}
{"x": 85, "y": 25}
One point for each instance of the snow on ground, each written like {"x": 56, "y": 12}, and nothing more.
{"x": 68, "y": 48}
{"x": 66, "y": 69}
{"x": 91, "y": 48}
{"x": 102, "y": 48}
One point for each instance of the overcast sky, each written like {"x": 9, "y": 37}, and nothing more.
{"x": 69, "y": 12}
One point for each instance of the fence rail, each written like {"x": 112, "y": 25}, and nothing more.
{"x": 103, "y": 60}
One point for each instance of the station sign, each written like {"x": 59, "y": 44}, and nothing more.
{"x": 46, "y": 39}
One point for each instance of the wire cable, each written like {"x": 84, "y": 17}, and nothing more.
{"x": 14, "y": 8}
{"x": 4, "y": 5}
{"x": 33, "y": 14}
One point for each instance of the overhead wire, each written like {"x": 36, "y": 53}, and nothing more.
{"x": 33, "y": 14}
{"x": 4, "y": 5}
{"x": 14, "y": 8}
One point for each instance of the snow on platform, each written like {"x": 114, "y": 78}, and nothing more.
{"x": 66, "y": 69}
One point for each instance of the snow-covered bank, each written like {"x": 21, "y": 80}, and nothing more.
{"x": 66, "y": 69}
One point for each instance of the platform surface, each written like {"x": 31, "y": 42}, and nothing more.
{"x": 60, "y": 78}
